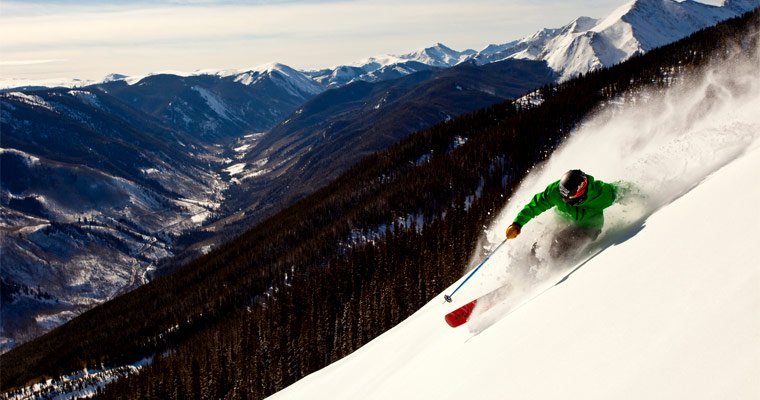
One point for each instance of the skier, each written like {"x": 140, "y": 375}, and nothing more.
{"x": 579, "y": 199}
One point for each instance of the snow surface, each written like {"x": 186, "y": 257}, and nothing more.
{"x": 666, "y": 307}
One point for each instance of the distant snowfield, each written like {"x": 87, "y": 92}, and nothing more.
{"x": 667, "y": 310}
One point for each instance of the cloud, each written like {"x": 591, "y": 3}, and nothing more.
{"x": 30, "y": 62}
{"x": 289, "y": 21}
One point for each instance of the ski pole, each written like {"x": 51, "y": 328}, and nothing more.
{"x": 448, "y": 297}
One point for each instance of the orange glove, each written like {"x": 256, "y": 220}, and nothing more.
{"x": 513, "y": 231}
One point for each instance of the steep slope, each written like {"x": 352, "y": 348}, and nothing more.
{"x": 668, "y": 313}
{"x": 587, "y": 44}
{"x": 666, "y": 308}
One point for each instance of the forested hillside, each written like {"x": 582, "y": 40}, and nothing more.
{"x": 326, "y": 275}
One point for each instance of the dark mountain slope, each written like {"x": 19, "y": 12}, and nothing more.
{"x": 98, "y": 132}
{"x": 89, "y": 188}
{"x": 212, "y": 108}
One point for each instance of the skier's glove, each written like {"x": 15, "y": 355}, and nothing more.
{"x": 513, "y": 231}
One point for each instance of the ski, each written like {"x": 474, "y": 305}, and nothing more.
{"x": 462, "y": 314}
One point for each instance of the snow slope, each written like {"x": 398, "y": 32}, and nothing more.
{"x": 667, "y": 308}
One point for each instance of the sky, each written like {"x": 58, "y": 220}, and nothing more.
{"x": 89, "y": 39}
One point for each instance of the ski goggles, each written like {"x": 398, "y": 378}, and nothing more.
{"x": 576, "y": 198}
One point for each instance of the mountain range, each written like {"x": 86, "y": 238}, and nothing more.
{"x": 583, "y": 45}
{"x": 103, "y": 182}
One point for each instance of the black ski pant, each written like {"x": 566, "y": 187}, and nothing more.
{"x": 570, "y": 239}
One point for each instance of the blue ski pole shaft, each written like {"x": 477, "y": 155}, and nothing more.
{"x": 448, "y": 298}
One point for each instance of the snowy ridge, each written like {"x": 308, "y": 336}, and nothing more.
{"x": 32, "y": 100}
{"x": 435, "y": 56}
{"x": 587, "y": 44}
{"x": 391, "y": 66}
{"x": 438, "y": 56}
{"x": 12, "y": 83}
{"x": 666, "y": 308}
{"x": 293, "y": 81}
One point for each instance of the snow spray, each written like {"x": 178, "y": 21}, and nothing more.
{"x": 660, "y": 143}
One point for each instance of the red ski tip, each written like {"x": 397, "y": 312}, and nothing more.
{"x": 461, "y": 314}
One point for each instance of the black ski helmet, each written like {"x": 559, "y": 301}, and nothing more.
{"x": 572, "y": 187}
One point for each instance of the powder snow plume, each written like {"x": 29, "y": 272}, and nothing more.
{"x": 660, "y": 144}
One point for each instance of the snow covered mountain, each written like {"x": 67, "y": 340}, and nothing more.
{"x": 587, "y": 44}
{"x": 666, "y": 306}
{"x": 293, "y": 81}
{"x": 583, "y": 45}
{"x": 387, "y": 67}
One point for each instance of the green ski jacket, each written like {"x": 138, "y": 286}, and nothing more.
{"x": 588, "y": 214}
